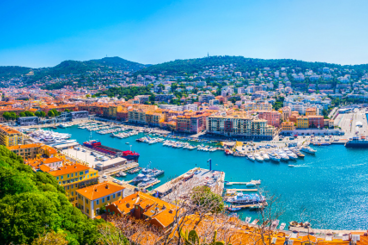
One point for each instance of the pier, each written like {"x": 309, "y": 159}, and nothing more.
{"x": 239, "y": 183}
{"x": 246, "y": 190}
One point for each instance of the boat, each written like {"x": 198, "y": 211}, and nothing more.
{"x": 250, "y": 184}
{"x": 356, "y": 142}
{"x": 228, "y": 152}
{"x": 122, "y": 174}
{"x": 147, "y": 182}
{"x": 274, "y": 157}
{"x": 282, "y": 226}
{"x": 96, "y": 145}
{"x": 258, "y": 157}
{"x": 265, "y": 156}
{"x": 251, "y": 157}
{"x": 247, "y": 199}
{"x": 248, "y": 219}
{"x": 233, "y": 209}
{"x": 309, "y": 150}
{"x": 291, "y": 166}
{"x": 135, "y": 170}
{"x": 139, "y": 178}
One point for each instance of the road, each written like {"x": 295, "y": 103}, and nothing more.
{"x": 348, "y": 122}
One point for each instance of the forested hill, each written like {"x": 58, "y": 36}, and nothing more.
{"x": 190, "y": 66}
{"x": 7, "y": 72}
{"x": 71, "y": 67}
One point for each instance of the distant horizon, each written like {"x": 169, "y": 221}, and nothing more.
{"x": 179, "y": 59}
{"x": 44, "y": 33}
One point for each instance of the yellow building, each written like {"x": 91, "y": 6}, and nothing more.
{"x": 154, "y": 118}
{"x": 311, "y": 111}
{"x": 27, "y": 151}
{"x": 10, "y": 136}
{"x": 287, "y": 126}
{"x": 72, "y": 178}
{"x": 92, "y": 198}
{"x": 302, "y": 122}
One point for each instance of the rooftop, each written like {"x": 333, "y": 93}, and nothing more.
{"x": 99, "y": 190}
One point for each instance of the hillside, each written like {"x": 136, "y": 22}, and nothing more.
{"x": 71, "y": 67}
{"x": 7, "y": 72}
{"x": 190, "y": 66}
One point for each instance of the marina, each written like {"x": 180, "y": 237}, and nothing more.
{"x": 315, "y": 181}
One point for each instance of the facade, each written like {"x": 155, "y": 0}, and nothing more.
{"x": 287, "y": 126}
{"x": 73, "y": 177}
{"x": 239, "y": 126}
{"x": 302, "y": 122}
{"x": 78, "y": 115}
{"x": 273, "y": 117}
{"x": 10, "y": 136}
{"x": 285, "y": 113}
{"x": 27, "y": 151}
{"x": 316, "y": 121}
{"x": 311, "y": 112}
{"x": 92, "y": 198}
{"x": 260, "y": 106}
{"x": 26, "y": 121}
{"x": 191, "y": 123}
{"x": 205, "y": 98}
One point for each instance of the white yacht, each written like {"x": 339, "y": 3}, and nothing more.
{"x": 251, "y": 157}
{"x": 265, "y": 156}
{"x": 274, "y": 157}
{"x": 309, "y": 150}
{"x": 258, "y": 157}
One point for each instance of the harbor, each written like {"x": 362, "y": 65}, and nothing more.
{"x": 309, "y": 183}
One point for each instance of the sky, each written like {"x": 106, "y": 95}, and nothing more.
{"x": 44, "y": 33}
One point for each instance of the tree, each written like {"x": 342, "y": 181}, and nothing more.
{"x": 6, "y": 115}
{"x": 29, "y": 114}
{"x": 51, "y": 113}
{"x": 51, "y": 238}
{"x": 203, "y": 196}
{"x": 22, "y": 114}
{"x": 152, "y": 99}
{"x": 40, "y": 113}
{"x": 174, "y": 86}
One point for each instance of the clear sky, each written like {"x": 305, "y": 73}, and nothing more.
{"x": 45, "y": 32}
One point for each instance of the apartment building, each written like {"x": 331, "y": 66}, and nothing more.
{"x": 27, "y": 151}
{"x": 194, "y": 123}
{"x": 10, "y": 136}
{"x": 316, "y": 121}
{"x": 273, "y": 117}
{"x": 287, "y": 126}
{"x": 302, "y": 122}
{"x": 260, "y": 106}
{"x": 239, "y": 125}
{"x": 92, "y": 198}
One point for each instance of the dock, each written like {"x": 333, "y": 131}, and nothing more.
{"x": 122, "y": 168}
{"x": 246, "y": 190}
{"x": 247, "y": 206}
{"x": 239, "y": 183}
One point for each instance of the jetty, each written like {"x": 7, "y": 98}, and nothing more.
{"x": 239, "y": 183}
{"x": 246, "y": 190}
{"x": 255, "y": 206}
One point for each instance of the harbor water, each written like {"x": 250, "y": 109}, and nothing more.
{"x": 331, "y": 187}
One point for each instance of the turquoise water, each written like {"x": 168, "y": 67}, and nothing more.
{"x": 332, "y": 186}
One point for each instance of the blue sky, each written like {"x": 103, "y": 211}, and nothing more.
{"x": 44, "y": 33}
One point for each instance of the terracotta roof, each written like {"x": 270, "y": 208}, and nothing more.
{"x": 51, "y": 160}
{"x": 99, "y": 190}
{"x": 69, "y": 169}
{"x": 9, "y": 130}
{"x": 17, "y": 147}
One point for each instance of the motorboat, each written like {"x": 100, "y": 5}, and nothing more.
{"x": 291, "y": 155}
{"x": 258, "y": 157}
{"x": 147, "y": 182}
{"x": 247, "y": 199}
{"x": 265, "y": 156}
{"x": 251, "y": 157}
{"x": 309, "y": 150}
{"x": 274, "y": 157}
{"x": 122, "y": 174}
{"x": 233, "y": 209}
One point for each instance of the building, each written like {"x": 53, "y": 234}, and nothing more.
{"x": 287, "y": 126}
{"x": 311, "y": 111}
{"x": 239, "y": 125}
{"x": 72, "y": 178}
{"x": 146, "y": 207}
{"x": 74, "y": 115}
{"x": 273, "y": 117}
{"x": 27, "y": 151}
{"x": 316, "y": 121}
{"x": 302, "y": 122}
{"x": 10, "y": 136}
{"x": 191, "y": 123}
{"x": 26, "y": 121}
{"x": 285, "y": 113}
{"x": 205, "y": 98}
{"x": 260, "y": 106}
{"x": 92, "y": 198}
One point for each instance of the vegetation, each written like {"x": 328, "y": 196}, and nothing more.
{"x": 10, "y": 115}
{"x": 192, "y": 238}
{"x": 32, "y": 203}
{"x": 126, "y": 92}
{"x": 203, "y": 196}
{"x": 7, "y": 72}
{"x": 279, "y": 103}
{"x": 40, "y": 113}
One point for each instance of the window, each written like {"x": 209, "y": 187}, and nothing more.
{"x": 59, "y": 182}
{"x": 97, "y": 202}
{"x": 119, "y": 194}
{"x": 68, "y": 175}
{"x": 80, "y": 178}
{"x": 113, "y": 196}
{"x": 95, "y": 174}
{"x": 103, "y": 200}
{"x": 86, "y": 172}
{"x": 76, "y": 174}
{"x": 79, "y": 196}
{"x": 108, "y": 198}
{"x": 87, "y": 201}
{"x": 68, "y": 187}
{"x": 87, "y": 211}
{"x": 72, "y": 193}
{"x": 57, "y": 178}
{"x": 62, "y": 177}
{"x": 76, "y": 185}
{"x": 72, "y": 175}
{"x": 80, "y": 173}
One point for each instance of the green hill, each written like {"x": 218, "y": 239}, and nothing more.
{"x": 190, "y": 66}
{"x": 7, "y": 72}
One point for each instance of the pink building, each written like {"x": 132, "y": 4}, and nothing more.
{"x": 272, "y": 117}
{"x": 285, "y": 113}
